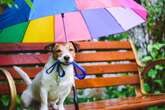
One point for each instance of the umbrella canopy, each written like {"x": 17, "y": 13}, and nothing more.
{"x": 43, "y": 8}
{"x": 78, "y": 25}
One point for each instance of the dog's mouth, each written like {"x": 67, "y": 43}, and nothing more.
{"x": 66, "y": 63}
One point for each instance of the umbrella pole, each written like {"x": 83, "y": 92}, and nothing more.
{"x": 66, "y": 39}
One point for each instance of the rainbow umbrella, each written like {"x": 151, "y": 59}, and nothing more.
{"x": 39, "y": 8}
{"x": 78, "y": 25}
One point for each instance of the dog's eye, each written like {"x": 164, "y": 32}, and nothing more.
{"x": 70, "y": 49}
{"x": 58, "y": 51}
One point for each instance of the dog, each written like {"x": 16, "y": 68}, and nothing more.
{"x": 50, "y": 88}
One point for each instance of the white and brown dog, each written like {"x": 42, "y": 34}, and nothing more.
{"x": 50, "y": 88}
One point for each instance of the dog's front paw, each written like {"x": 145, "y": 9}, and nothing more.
{"x": 55, "y": 107}
{"x": 44, "y": 108}
{"x": 61, "y": 107}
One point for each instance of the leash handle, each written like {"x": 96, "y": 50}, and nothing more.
{"x": 50, "y": 69}
{"x": 61, "y": 71}
{"x": 82, "y": 70}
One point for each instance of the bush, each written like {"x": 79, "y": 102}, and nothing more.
{"x": 155, "y": 78}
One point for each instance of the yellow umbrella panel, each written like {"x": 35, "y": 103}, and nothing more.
{"x": 36, "y": 31}
{"x": 40, "y": 30}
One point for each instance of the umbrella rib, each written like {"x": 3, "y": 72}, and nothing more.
{"x": 64, "y": 27}
{"x": 86, "y": 25}
{"x": 115, "y": 19}
{"x": 25, "y": 32}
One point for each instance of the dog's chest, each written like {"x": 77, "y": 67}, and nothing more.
{"x": 58, "y": 86}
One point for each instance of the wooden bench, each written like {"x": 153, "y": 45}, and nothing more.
{"x": 98, "y": 58}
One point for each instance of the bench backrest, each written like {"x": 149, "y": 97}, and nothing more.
{"x": 98, "y": 58}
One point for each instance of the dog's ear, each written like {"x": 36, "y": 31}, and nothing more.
{"x": 76, "y": 46}
{"x": 50, "y": 47}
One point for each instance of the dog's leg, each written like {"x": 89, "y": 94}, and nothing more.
{"x": 44, "y": 99}
{"x": 26, "y": 98}
{"x": 62, "y": 99}
{"x": 54, "y": 104}
{"x": 61, "y": 103}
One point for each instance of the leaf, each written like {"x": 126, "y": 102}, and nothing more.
{"x": 157, "y": 92}
{"x": 147, "y": 58}
{"x": 150, "y": 48}
{"x": 153, "y": 108}
{"x": 157, "y": 46}
{"x": 152, "y": 73}
{"x": 158, "y": 81}
{"x": 18, "y": 100}
{"x": 29, "y": 2}
{"x": 159, "y": 67}
{"x": 5, "y": 100}
{"x": 146, "y": 87}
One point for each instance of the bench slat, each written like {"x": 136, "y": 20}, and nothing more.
{"x": 111, "y": 68}
{"x": 91, "y": 69}
{"x": 28, "y": 47}
{"x": 22, "y": 47}
{"x": 122, "y": 104}
{"x": 105, "y": 56}
{"x": 102, "y": 45}
{"x": 107, "y": 81}
{"x": 86, "y": 83}
{"x": 9, "y": 60}
{"x": 6, "y": 60}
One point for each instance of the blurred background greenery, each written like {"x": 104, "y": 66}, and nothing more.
{"x": 149, "y": 39}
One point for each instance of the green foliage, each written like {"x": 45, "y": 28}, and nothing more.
{"x": 29, "y": 2}
{"x": 4, "y": 102}
{"x": 11, "y": 3}
{"x": 161, "y": 107}
{"x": 110, "y": 93}
{"x": 115, "y": 37}
{"x": 7, "y": 2}
{"x": 155, "y": 78}
{"x": 155, "y": 51}
{"x": 116, "y": 92}
{"x": 156, "y": 19}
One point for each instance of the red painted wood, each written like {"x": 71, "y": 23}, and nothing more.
{"x": 26, "y": 59}
{"x": 107, "y": 81}
{"x": 6, "y": 60}
{"x": 103, "y": 45}
{"x": 28, "y": 47}
{"x": 105, "y": 56}
{"x": 86, "y": 83}
{"x": 91, "y": 69}
{"x": 19, "y": 47}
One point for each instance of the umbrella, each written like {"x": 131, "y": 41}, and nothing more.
{"x": 23, "y": 12}
{"x": 78, "y": 25}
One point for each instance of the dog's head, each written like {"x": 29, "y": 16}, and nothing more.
{"x": 64, "y": 52}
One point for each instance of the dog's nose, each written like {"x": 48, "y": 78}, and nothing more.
{"x": 66, "y": 58}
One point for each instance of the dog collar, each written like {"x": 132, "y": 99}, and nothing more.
{"x": 61, "y": 71}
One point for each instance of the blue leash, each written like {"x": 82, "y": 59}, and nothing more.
{"x": 61, "y": 71}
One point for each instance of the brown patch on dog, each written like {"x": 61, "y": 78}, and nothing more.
{"x": 58, "y": 48}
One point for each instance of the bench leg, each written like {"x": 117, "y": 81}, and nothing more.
{"x": 75, "y": 98}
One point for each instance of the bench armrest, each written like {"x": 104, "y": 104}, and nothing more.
{"x": 152, "y": 64}
{"x": 139, "y": 63}
{"x": 12, "y": 87}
